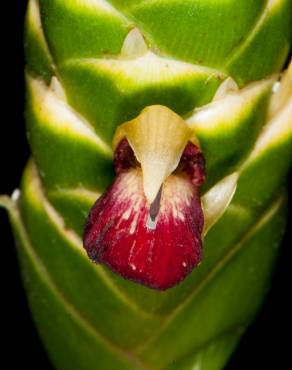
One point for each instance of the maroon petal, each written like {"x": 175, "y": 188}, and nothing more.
{"x": 157, "y": 252}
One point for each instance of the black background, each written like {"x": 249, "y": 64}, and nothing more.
{"x": 266, "y": 343}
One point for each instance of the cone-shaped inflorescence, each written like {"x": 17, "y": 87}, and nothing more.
{"x": 93, "y": 65}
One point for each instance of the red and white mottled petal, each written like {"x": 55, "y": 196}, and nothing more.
{"x": 159, "y": 253}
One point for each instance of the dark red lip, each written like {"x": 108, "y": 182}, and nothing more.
{"x": 156, "y": 245}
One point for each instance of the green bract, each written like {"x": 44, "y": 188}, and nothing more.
{"x": 80, "y": 86}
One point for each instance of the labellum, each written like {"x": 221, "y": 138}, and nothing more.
{"x": 147, "y": 226}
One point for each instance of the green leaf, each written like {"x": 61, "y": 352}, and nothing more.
{"x": 61, "y": 136}
{"x": 86, "y": 28}
{"x": 70, "y": 339}
{"x": 37, "y": 53}
{"x": 123, "y": 87}
{"x": 228, "y": 128}
{"x": 249, "y": 39}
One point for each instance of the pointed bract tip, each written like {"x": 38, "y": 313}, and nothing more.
{"x": 217, "y": 199}
{"x": 158, "y": 137}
